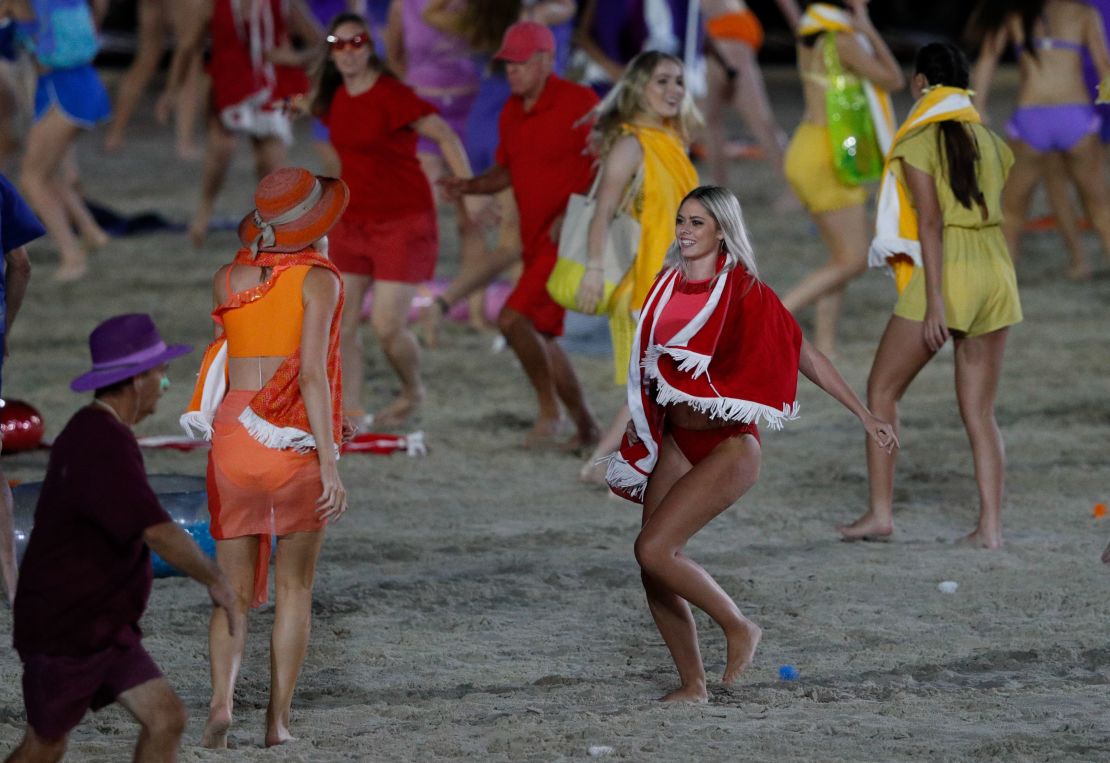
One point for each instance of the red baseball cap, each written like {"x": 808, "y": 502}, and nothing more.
{"x": 523, "y": 40}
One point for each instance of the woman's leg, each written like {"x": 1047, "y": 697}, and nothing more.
{"x": 1017, "y": 193}
{"x": 692, "y": 502}
{"x": 845, "y": 234}
{"x": 1059, "y": 201}
{"x": 754, "y": 107}
{"x": 47, "y": 145}
{"x": 978, "y": 368}
{"x": 237, "y": 558}
{"x": 1085, "y": 164}
{"x": 193, "y": 98}
{"x": 295, "y": 570}
{"x": 217, "y": 159}
{"x": 718, "y": 94}
{"x": 269, "y": 154}
{"x": 92, "y": 235}
{"x": 152, "y": 40}
{"x": 901, "y": 355}
{"x": 350, "y": 343}
{"x": 390, "y": 322}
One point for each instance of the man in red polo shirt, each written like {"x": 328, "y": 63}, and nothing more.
{"x": 542, "y": 155}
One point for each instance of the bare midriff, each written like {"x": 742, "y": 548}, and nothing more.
{"x": 251, "y": 373}
{"x": 812, "y": 70}
{"x": 684, "y": 416}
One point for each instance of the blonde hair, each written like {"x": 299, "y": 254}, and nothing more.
{"x": 626, "y": 102}
{"x": 723, "y": 206}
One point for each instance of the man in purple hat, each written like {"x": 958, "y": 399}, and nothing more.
{"x": 542, "y": 154}
{"x": 86, "y": 573}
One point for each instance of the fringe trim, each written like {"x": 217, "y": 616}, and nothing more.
{"x": 197, "y": 424}
{"x": 724, "y": 408}
{"x": 884, "y": 248}
{"x": 623, "y": 476}
{"x": 689, "y": 361}
{"x": 278, "y": 438}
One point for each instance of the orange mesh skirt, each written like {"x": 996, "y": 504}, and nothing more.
{"x": 255, "y": 490}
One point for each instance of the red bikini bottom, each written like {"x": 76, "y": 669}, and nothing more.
{"x": 696, "y": 444}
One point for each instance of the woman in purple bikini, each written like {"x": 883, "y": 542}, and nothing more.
{"x": 1054, "y": 112}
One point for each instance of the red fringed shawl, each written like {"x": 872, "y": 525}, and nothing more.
{"x": 736, "y": 360}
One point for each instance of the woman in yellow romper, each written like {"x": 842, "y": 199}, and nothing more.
{"x": 967, "y": 290}
{"x": 838, "y": 209}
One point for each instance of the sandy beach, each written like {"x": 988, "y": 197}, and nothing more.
{"x": 480, "y": 603}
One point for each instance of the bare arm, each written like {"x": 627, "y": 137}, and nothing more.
{"x": 982, "y": 73}
{"x": 495, "y": 179}
{"x": 357, "y": 6}
{"x": 819, "y": 369}
{"x": 1096, "y": 44}
{"x": 930, "y": 230}
{"x": 394, "y": 38}
{"x": 790, "y": 12}
{"x": 16, "y": 276}
{"x": 176, "y": 546}
{"x": 617, "y": 171}
{"x": 99, "y": 11}
{"x": 303, "y": 25}
{"x": 320, "y": 294}
{"x": 880, "y": 66}
{"x": 549, "y": 12}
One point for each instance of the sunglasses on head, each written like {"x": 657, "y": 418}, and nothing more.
{"x": 356, "y": 42}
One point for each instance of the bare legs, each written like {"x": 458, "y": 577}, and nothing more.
{"x": 681, "y": 500}
{"x": 8, "y": 570}
{"x": 48, "y": 178}
{"x": 553, "y": 379}
{"x": 151, "y": 43}
{"x": 1018, "y": 192}
{"x": 845, "y": 233}
{"x": 392, "y": 303}
{"x": 1085, "y": 166}
{"x": 1059, "y": 201}
{"x": 901, "y": 355}
{"x": 295, "y": 570}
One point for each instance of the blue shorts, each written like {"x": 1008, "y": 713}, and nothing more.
{"x": 76, "y": 92}
{"x": 320, "y": 131}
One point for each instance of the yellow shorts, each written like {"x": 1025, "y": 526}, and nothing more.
{"x": 980, "y": 286}
{"x": 809, "y": 169}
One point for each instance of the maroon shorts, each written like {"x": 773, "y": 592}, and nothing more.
{"x": 530, "y": 297}
{"x": 696, "y": 444}
{"x": 58, "y": 690}
{"x": 400, "y": 249}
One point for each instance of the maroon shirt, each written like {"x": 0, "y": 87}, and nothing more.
{"x": 85, "y": 577}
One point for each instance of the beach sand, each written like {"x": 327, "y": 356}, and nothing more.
{"x": 479, "y": 602}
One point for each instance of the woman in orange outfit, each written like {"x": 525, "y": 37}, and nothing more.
{"x": 275, "y": 433}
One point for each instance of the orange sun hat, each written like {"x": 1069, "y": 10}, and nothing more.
{"x": 293, "y": 209}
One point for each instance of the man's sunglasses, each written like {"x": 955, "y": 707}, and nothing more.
{"x": 356, "y": 42}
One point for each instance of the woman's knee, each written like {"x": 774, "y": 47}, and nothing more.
{"x": 652, "y": 552}
{"x": 387, "y": 328}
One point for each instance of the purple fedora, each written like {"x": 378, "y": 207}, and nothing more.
{"x": 122, "y": 347}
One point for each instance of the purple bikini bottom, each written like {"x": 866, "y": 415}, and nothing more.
{"x": 1053, "y": 128}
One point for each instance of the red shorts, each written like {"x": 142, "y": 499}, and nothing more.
{"x": 400, "y": 249}
{"x": 696, "y": 444}
{"x": 58, "y": 690}
{"x": 530, "y": 297}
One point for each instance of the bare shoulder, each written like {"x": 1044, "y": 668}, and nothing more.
{"x": 219, "y": 283}
{"x": 320, "y": 283}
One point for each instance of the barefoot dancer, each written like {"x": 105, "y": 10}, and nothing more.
{"x": 389, "y": 239}
{"x": 643, "y": 130}
{"x": 1054, "y": 115}
{"x": 68, "y": 98}
{"x": 276, "y": 432}
{"x": 254, "y": 67}
{"x": 692, "y": 448}
{"x": 828, "y": 32}
{"x": 542, "y": 155}
{"x": 953, "y": 169}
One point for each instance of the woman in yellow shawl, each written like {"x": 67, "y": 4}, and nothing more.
{"x": 643, "y": 129}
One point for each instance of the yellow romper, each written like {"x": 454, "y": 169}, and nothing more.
{"x": 980, "y": 286}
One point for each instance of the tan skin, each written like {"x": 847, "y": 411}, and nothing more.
{"x": 682, "y": 498}
{"x": 1054, "y": 77}
{"x": 543, "y": 358}
{"x": 297, "y": 553}
{"x": 158, "y": 710}
{"x": 17, "y": 274}
{"x": 905, "y": 348}
{"x": 392, "y": 299}
{"x": 845, "y": 231}
{"x": 269, "y": 153}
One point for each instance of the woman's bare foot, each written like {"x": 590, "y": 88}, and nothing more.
{"x": 113, "y": 142}
{"x": 398, "y": 412}
{"x": 215, "y": 729}
{"x": 544, "y": 433}
{"x": 867, "y": 527}
{"x": 95, "y": 239}
{"x": 68, "y": 272}
{"x": 1079, "y": 272}
{"x": 277, "y": 730}
{"x": 742, "y": 641}
{"x": 982, "y": 539}
{"x": 693, "y": 694}
{"x": 592, "y": 472}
